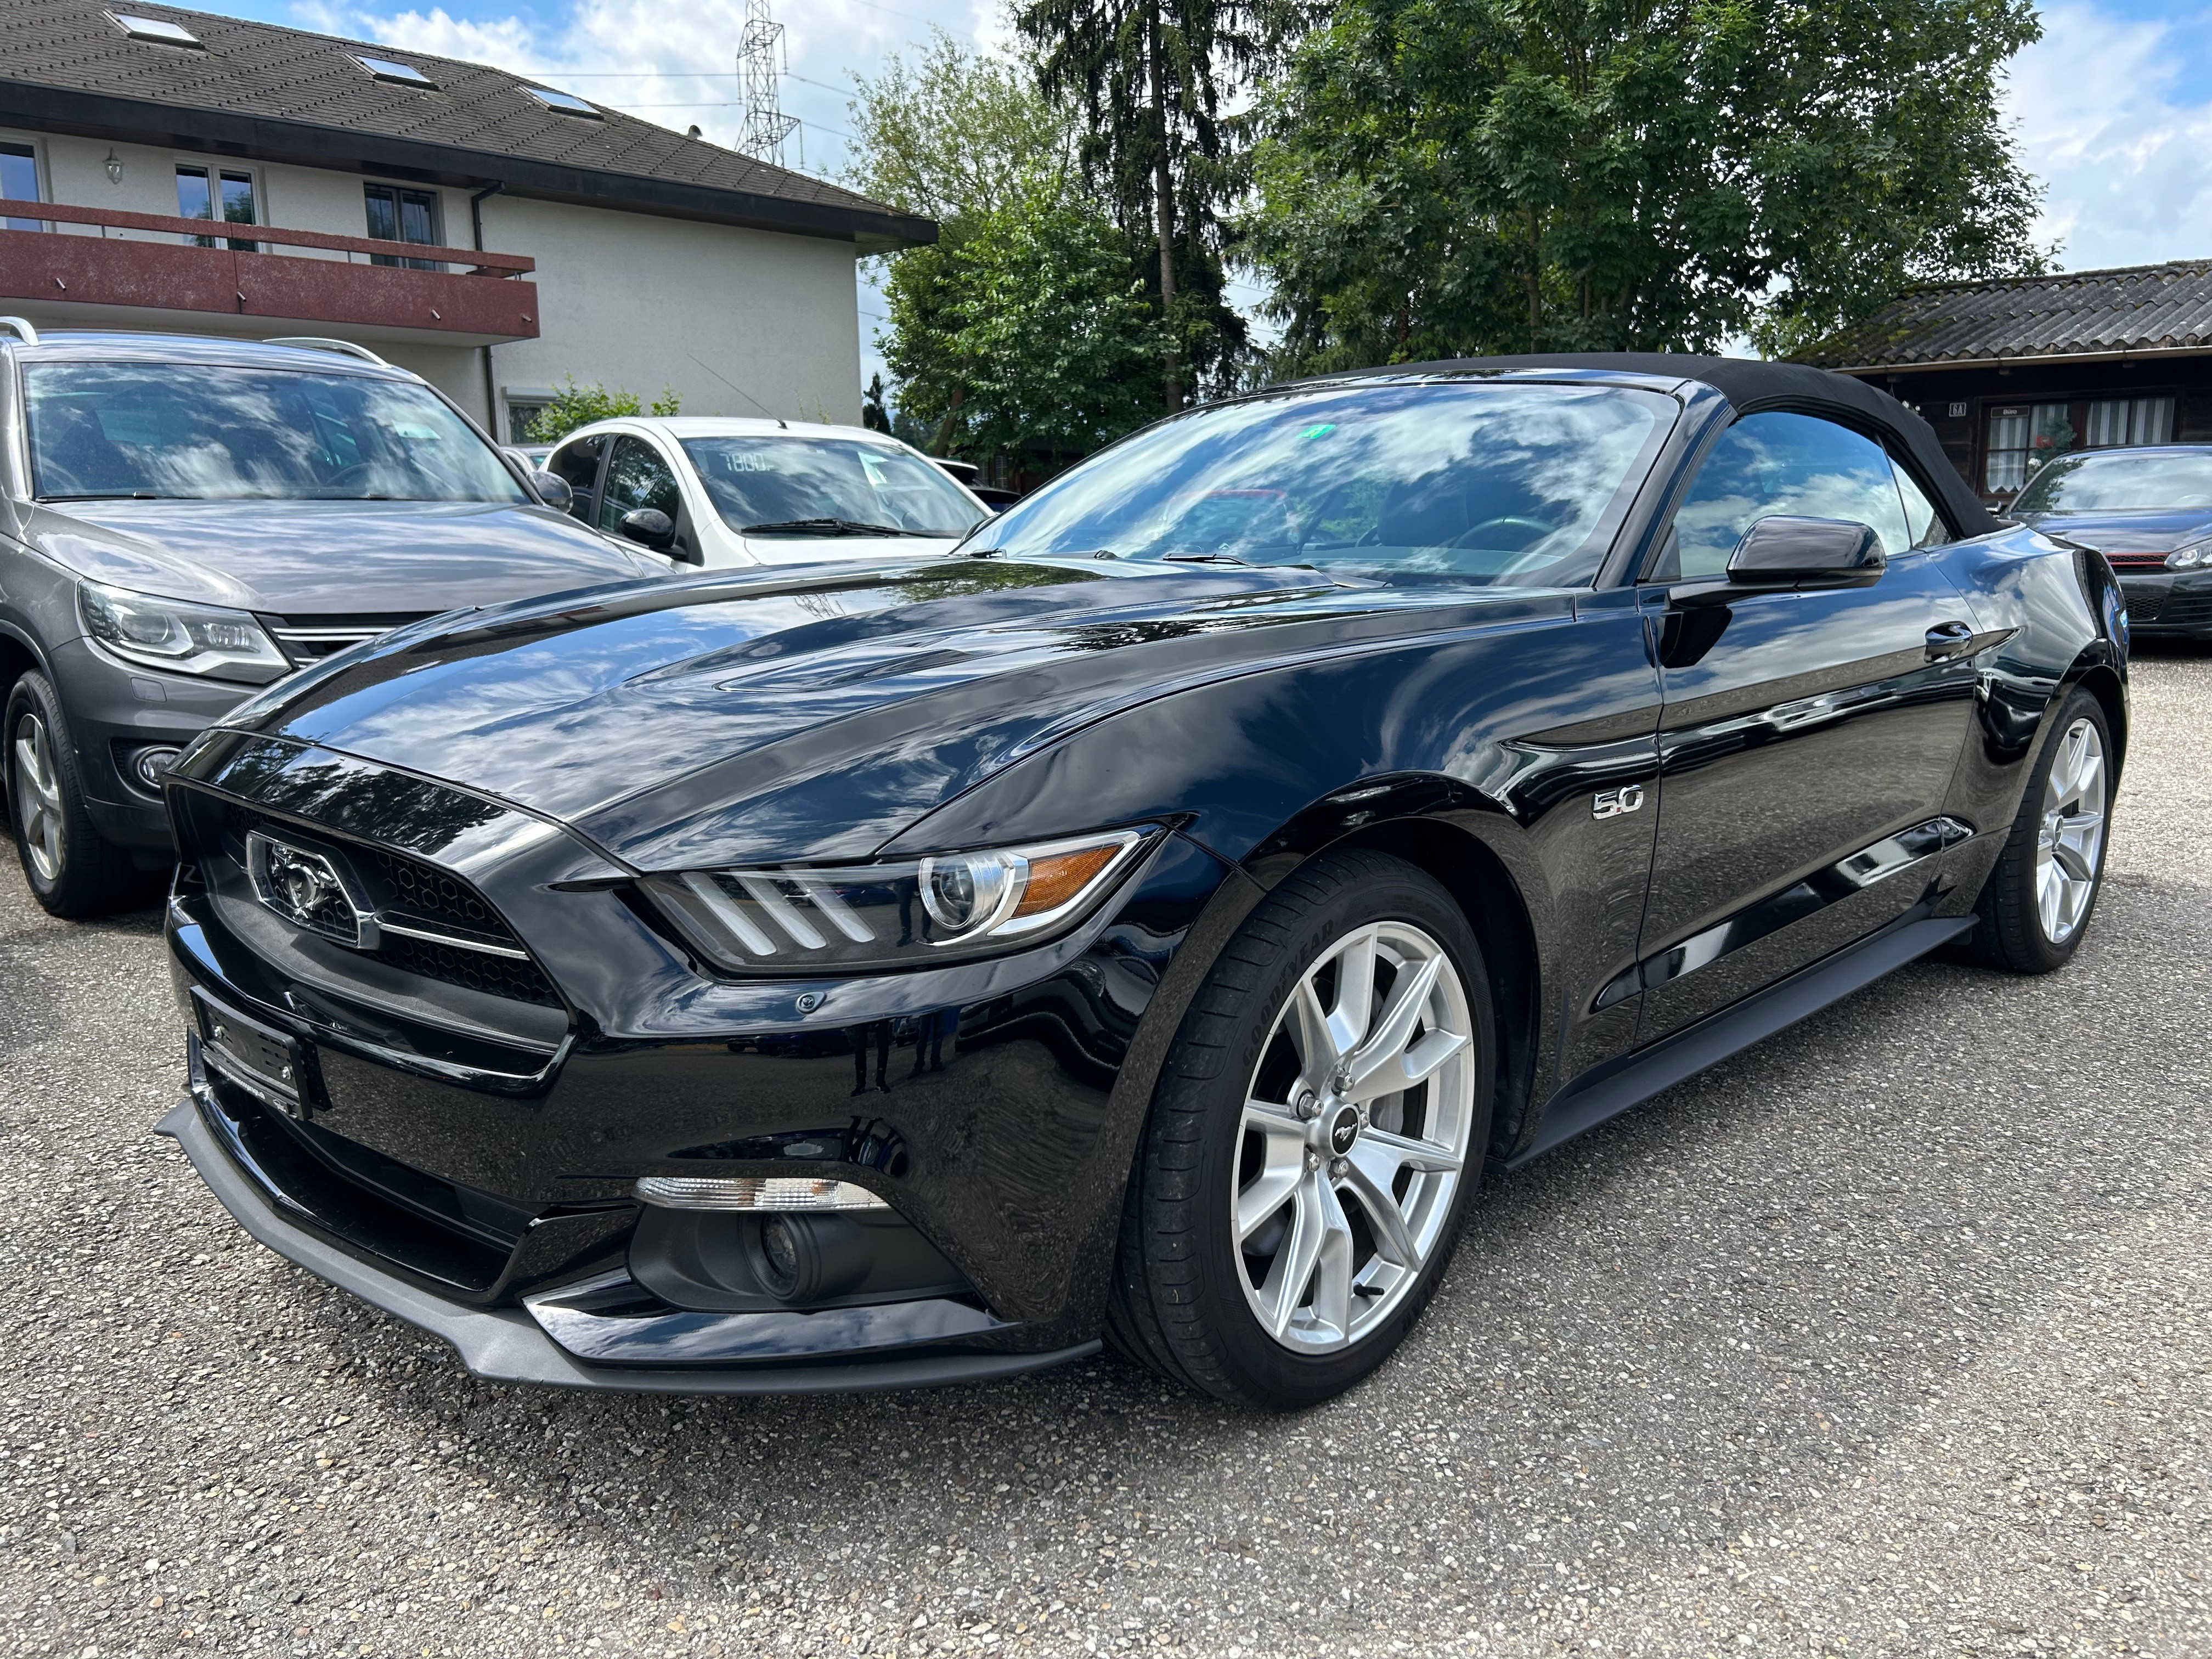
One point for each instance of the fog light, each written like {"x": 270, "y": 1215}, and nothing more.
{"x": 755, "y": 1193}
{"x": 151, "y": 765}
{"x": 780, "y": 1264}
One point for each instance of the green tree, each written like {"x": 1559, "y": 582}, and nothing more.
{"x": 949, "y": 134}
{"x": 1026, "y": 333}
{"x": 1019, "y": 328}
{"x": 580, "y": 405}
{"x": 1446, "y": 177}
{"x": 1151, "y": 78}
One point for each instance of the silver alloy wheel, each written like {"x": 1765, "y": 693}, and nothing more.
{"x": 1354, "y": 1135}
{"x": 2071, "y": 842}
{"x": 39, "y": 797}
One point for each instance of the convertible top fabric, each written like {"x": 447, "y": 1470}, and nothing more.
{"x": 1751, "y": 385}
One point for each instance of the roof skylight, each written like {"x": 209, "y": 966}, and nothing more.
{"x": 154, "y": 28}
{"x": 567, "y": 102}
{"x": 384, "y": 69}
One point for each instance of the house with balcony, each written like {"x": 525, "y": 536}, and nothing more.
{"x": 181, "y": 171}
{"x": 2013, "y": 371}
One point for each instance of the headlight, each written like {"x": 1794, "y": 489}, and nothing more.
{"x": 909, "y": 914}
{"x": 185, "y": 639}
{"x": 2190, "y": 557}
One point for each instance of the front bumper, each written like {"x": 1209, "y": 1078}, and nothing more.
{"x": 508, "y": 1345}
{"x": 471, "y": 1155}
{"x": 114, "y": 709}
{"x": 2174, "y": 603}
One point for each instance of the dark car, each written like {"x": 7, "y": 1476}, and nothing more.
{"x": 183, "y": 520}
{"x": 2148, "y": 511}
{"x": 1147, "y": 923}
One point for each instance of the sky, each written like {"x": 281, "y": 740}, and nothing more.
{"x": 2112, "y": 108}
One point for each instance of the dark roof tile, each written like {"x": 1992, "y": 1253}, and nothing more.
{"x": 260, "y": 71}
{"x": 2137, "y": 308}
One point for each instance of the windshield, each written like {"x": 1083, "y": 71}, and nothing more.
{"x": 2119, "y": 483}
{"x": 1472, "y": 482}
{"x": 204, "y": 432}
{"x": 798, "y": 486}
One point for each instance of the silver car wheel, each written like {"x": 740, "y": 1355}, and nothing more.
{"x": 39, "y": 797}
{"x": 1355, "y": 1137}
{"x": 2070, "y": 845}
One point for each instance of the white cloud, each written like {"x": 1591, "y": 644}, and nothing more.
{"x": 2112, "y": 114}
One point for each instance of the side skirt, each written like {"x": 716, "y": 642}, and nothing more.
{"x": 1610, "y": 1090}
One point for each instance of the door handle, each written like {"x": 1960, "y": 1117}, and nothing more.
{"x": 1949, "y": 640}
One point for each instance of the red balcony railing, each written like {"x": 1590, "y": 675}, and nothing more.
{"x": 487, "y": 299}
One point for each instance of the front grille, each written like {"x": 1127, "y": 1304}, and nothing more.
{"x": 405, "y": 891}
{"x": 2144, "y": 604}
{"x": 423, "y": 890}
{"x": 496, "y": 977}
{"x": 2185, "y": 610}
{"x": 309, "y": 639}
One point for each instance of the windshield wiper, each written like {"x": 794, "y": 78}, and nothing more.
{"x": 1203, "y": 558}
{"x": 115, "y": 495}
{"x": 830, "y": 527}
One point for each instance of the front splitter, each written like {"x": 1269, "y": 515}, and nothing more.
{"x": 504, "y": 1344}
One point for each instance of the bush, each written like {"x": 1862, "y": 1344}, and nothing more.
{"x": 580, "y": 405}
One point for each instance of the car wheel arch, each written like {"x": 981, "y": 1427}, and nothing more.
{"x": 2101, "y": 680}
{"x": 18, "y": 656}
{"x": 1473, "y": 850}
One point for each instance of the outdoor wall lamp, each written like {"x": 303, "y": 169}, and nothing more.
{"x": 115, "y": 166}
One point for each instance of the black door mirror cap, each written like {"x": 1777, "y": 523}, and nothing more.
{"x": 1785, "y": 550}
{"x": 553, "y": 490}
{"x": 649, "y": 526}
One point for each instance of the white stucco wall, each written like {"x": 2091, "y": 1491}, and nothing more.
{"x": 733, "y": 321}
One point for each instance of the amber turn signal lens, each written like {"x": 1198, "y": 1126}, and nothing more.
{"x": 1055, "y": 879}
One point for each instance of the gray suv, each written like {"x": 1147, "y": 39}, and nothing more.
{"x": 185, "y": 520}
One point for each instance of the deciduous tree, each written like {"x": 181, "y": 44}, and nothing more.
{"x": 1020, "y": 330}
{"x": 1440, "y": 178}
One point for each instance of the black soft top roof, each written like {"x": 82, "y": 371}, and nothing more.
{"x": 1750, "y": 385}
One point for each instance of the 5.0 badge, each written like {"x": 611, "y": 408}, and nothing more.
{"x": 1612, "y": 803}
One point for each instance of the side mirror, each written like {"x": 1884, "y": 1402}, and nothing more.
{"x": 1788, "y": 552}
{"x": 553, "y": 490}
{"x": 649, "y": 526}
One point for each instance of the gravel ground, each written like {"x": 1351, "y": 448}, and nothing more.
{"x": 1891, "y": 1337}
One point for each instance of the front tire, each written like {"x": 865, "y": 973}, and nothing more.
{"x": 2036, "y": 905}
{"x": 72, "y": 872}
{"x": 1318, "y": 1131}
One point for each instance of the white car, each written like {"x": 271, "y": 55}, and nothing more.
{"x": 712, "y": 491}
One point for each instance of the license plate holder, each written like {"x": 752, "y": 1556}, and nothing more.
{"x": 259, "y": 1059}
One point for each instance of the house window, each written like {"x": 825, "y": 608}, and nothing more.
{"x": 2021, "y": 439}
{"x": 19, "y": 180}
{"x": 216, "y": 193}
{"x": 403, "y": 215}
{"x": 2116, "y": 421}
{"x": 520, "y": 413}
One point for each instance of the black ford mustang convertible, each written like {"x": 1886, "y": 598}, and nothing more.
{"x": 1145, "y": 924}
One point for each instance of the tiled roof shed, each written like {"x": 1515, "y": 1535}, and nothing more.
{"x": 278, "y": 95}
{"x": 2073, "y": 316}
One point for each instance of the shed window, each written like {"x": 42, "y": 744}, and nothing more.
{"x": 2114, "y": 422}
{"x": 2021, "y": 439}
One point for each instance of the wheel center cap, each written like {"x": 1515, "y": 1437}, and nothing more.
{"x": 1344, "y": 1129}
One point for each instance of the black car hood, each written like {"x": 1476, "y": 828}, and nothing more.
{"x": 2126, "y": 532}
{"x": 327, "y": 558}
{"x": 816, "y": 713}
